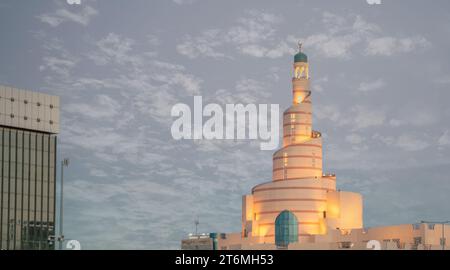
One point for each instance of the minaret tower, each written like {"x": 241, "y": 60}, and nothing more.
{"x": 301, "y": 155}
{"x": 300, "y": 201}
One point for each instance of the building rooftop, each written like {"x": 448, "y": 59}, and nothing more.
{"x": 29, "y": 110}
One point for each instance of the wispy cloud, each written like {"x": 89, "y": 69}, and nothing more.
{"x": 246, "y": 91}
{"x": 354, "y": 138}
{"x": 60, "y": 66}
{"x": 364, "y": 118}
{"x": 204, "y": 45}
{"x": 410, "y": 143}
{"x": 82, "y": 16}
{"x": 343, "y": 38}
{"x": 104, "y": 107}
{"x": 255, "y": 26}
{"x": 387, "y": 46}
{"x": 442, "y": 80}
{"x": 419, "y": 118}
{"x": 184, "y": 2}
{"x": 371, "y": 86}
{"x": 253, "y": 34}
{"x": 357, "y": 117}
{"x": 406, "y": 142}
{"x": 114, "y": 48}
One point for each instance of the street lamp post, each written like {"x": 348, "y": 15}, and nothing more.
{"x": 64, "y": 163}
{"x": 443, "y": 230}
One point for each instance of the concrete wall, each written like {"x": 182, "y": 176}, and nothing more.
{"x": 397, "y": 237}
{"x": 306, "y": 198}
{"x": 29, "y": 110}
{"x": 344, "y": 210}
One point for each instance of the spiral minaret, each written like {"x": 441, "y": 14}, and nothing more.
{"x": 299, "y": 192}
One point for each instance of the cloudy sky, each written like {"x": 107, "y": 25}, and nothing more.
{"x": 380, "y": 77}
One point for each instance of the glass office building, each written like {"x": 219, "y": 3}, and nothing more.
{"x": 27, "y": 169}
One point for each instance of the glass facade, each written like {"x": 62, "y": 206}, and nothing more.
{"x": 286, "y": 229}
{"x": 27, "y": 201}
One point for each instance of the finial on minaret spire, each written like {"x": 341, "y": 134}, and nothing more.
{"x": 300, "y": 56}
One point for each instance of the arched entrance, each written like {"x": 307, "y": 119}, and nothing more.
{"x": 286, "y": 229}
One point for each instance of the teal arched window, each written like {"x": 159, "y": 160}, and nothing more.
{"x": 286, "y": 229}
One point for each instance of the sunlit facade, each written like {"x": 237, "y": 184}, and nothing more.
{"x": 301, "y": 207}
{"x": 29, "y": 122}
{"x": 299, "y": 184}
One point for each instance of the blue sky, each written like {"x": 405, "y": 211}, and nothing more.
{"x": 380, "y": 82}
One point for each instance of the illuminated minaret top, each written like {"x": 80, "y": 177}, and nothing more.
{"x": 301, "y": 72}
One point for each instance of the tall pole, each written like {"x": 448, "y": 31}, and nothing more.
{"x": 64, "y": 163}
{"x": 196, "y": 225}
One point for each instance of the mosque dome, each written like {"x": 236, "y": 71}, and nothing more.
{"x": 300, "y": 57}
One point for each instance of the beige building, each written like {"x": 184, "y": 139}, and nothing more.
{"x": 29, "y": 110}
{"x": 29, "y": 122}
{"x": 301, "y": 207}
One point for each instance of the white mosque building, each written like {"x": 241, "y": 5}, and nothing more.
{"x": 301, "y": 207}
